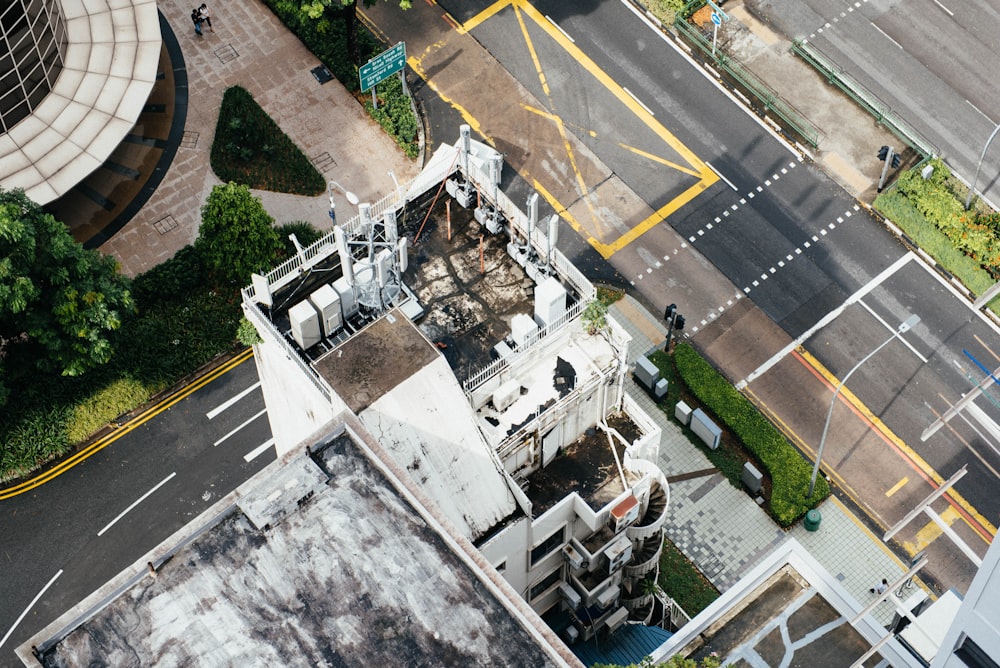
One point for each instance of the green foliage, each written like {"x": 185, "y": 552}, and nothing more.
{"x": 683, "y": 582}
{"x": 595, "y": 317}
{"x": 37, "y": 437}
{"x": 305, "y": 232}
{"x": 609, "y": 296}
{"x": 395, "y": 115}
{"x": 59, "y": 302}
{"x": 329, "y": 30}
{"x": 936, "y": 201}
{"x": 236, "y": 237}
{"x": 170, "y": 280}
{"x": 676, "y": 661}
{"x": 665, "y": 10}
{"x": 789, "y": 471}
{"x": 97, "y": 410}
{"x": 250, "y": 148}
{"x": 247, "y": 334}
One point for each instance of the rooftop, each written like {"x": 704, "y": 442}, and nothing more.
{"x": 315, "y": 561}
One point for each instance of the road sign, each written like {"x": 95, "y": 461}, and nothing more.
{"x": 382, "y": 66}
{"x": 716, "y": 19}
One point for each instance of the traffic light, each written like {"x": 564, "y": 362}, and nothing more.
{"x": 895, "y": 160}
{"x": 679, "y": 323}
{"x": 669, "y": 313}
{"x": 883, "y": 153}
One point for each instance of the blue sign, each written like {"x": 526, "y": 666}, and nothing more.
{"x": 716, "y": 19}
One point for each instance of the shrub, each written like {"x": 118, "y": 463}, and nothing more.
{"x": 789, "y": 472}
{"x": 103, "y": 406}
{"x": 38, "y": 437}
{"x": 249, "y": 148}
{"x": 305, "y": 232}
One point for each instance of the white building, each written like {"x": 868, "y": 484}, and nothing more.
{"x": 537, "y": 456}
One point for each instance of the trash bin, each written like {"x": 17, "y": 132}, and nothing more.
{"x": 812, "y": 520}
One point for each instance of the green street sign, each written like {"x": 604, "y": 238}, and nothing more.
{"x": 382, "y": 66}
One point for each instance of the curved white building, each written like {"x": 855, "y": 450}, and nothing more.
{"x": 75, "y": 77}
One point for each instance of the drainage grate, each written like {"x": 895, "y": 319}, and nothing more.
{"x": 324, "y": 161}
{"x": 226, "y": 53}
{"x": 165, "y": 224}
{"x": 322, "y": 74}
{"x": 189, "y": 140}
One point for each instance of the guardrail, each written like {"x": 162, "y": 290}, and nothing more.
{"x": 866, "y": 99}
{"x": 754, "y": 85}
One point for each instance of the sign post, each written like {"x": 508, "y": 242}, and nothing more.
{"x": 381, "y": 67}
{"x": 716, "y": 22}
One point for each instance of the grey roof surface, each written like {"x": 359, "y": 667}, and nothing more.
{"x": 354, "y": 576}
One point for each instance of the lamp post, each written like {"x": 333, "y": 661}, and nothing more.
{"x": 972, "y": 188}
{"x": 904, "y": 327}
{"x": 351, "y": 197}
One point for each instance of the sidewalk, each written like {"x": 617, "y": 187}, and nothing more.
{"x": 251, "y": 48}
{"x": 722, "y": 529}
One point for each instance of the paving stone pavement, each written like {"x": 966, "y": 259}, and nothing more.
{"x": 251, "y": 48}
{"x": 721, "y": 529}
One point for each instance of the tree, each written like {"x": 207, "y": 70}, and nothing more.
{"x": 58, "y": 301}
{"x": 345, "y": 10}
{"x": 237, "y": 236}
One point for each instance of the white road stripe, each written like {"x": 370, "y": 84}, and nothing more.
{"x": 950, "y": 13}
{"x": 136, "y": 503}
{"x": 719, "y": 174}
{"x": 890, "y": 328}
{"x": 557, "y": 27}
{"x": 240, "y": 427}
{"x": 886, "y": 36}
{"x": 30, "y": 606}
{"x": 258, "y": 451}
{"x": 827, "y": 319}
{"x": 221, "y": 407}
{"x": 638, "y": 101}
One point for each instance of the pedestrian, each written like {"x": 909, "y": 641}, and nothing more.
{"x": 196, "y": 19}
{"x": 880, "y": 587}
{"x": 206, "y": 16}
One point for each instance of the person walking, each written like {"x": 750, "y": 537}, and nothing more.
{"x": 880, "y": 587}
{"x": 196, "y": 19}
{"x": 206, "y": 16}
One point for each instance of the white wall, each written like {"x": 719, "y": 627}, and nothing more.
{"x": 979, "y": 616}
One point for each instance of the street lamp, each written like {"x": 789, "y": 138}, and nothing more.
{"x": 904, "y": 327}
{"x": 351, "y": 197}
{"x": 972, "y": 188}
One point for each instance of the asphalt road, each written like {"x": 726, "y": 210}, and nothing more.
{"x": 931, "y": 62}
{"x": 69, "y": 536}
{"x": 782, "y": 236}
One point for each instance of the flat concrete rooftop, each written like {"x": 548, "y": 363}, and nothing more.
{"x": 342, "y": 571}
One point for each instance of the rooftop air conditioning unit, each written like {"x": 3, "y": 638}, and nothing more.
{"x": 618, "y": 553}
{"x": 625, "y": 513}
{"x": 616, "y": 619}
{"x": 574, "y": 557}
{"x": 570, "y": 595}
{"x": 506, "y": 394}
{"x": 572, "y": 634}
{"x": 304, "y": 322}
{"x": 608, "y": 596}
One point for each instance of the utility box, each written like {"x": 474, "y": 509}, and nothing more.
{"x": 521, "y": 328}
{"x": 646, "y": 373}
{"x": 327, "y": 302}
{"x": 304, "y": 321}
{"x": 550, "y": 301}
{"x": 682, "y": 413}
{"x": 705, "y": 429}
{"x": 348, "y": 300}
{"x": 660, "y": 389}
{"x": 752, "y": 478}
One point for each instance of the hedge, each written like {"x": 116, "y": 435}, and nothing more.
{"x": 788, "y": 470}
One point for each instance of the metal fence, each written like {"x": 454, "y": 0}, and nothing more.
{"x": 766, "y": 96}
{"x": 866, "y": 99}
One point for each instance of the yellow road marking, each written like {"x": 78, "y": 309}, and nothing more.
{"x": 139, "y": 420}
{"x": 930, "y": 532}
{"x": 662, "y": 161}
{"x": 697, "y": 169}
{"x": 910, "y": 454}
{"x": 898, "y": 486}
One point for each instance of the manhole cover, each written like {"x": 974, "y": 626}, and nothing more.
{"x": 322, "y": 74}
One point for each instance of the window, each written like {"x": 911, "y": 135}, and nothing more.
{"x": 547, "y": 545}
{"x": 545, "y": 584}
{"x": 973, "y": 655}
{"x": 501, "y": 567}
